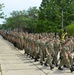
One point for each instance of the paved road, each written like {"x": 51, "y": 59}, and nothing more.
{"x": 14, "y": 62}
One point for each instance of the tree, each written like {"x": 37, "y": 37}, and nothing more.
{"x": 50, "y": 12}
{"x": 70, "y": 29}
{"x": 33, "y": 16}
{"x": 1, "y": 13}
{"x": 16, "y": 20}
{"x": 23, "y": 19}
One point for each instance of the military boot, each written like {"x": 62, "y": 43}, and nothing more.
{"x": 45, "y": 64}
{"x": 41, "y": 63}
{"x": 51, "y": 67}
{"x": 59, "y": 68}
{"x": 35, "y": 59}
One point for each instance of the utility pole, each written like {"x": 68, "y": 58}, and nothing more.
{"x": 62, "y": 20}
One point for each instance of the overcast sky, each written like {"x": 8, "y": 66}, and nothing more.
{"x": 11, "y": 5}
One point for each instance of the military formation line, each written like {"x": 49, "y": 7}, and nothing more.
{"x": 46, "y": 48}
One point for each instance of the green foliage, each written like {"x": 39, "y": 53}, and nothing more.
{"x": 70, "y": 29}
{"x": 1, "y": 13}
{"x": 47, "y": 19}
{"x": 50, "y": 15}
{"x": 22, "y": 19}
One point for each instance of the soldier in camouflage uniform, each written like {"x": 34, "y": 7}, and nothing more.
{"x": 71, "y": 44}
{"x": 56, "y": 50}
{"x": 32, "y": 46}
{"x": 21, "y": 40}
{"x": 25, "y": 45}
{"x": 50, "y": 52}
{"x": 66, "y": 58}
{"x": 37, "y": 41}
{"x": 42, "y": 50}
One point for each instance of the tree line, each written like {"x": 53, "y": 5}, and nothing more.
{"x": 48, "y": 18}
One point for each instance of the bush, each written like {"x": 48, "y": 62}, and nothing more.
{"x": 70, "y": 29}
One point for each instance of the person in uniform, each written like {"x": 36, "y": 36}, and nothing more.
{"x": 56, "y": 50}
{"x": 50, "y": 53}
{"x": 42, "y": 50}
{"x": 37, "y": 48}
{"x": 66, "y": 58}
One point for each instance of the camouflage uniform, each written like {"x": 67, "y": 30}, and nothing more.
{"x": 42, "y": 51}
{"x": 56, "y": 50}
{"x": 50, "y": 53}
{"x": 66, "y": 59}
{"x": 37, "y": 53}
{"x": 33, "y": 48}
{"x": 21, "y": 40}
{"x": 25, "y": 44}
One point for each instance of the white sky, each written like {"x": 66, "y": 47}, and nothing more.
{"x": 11, "y": 5}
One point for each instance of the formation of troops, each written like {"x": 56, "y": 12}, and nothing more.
{"x": 46, "y": 48}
